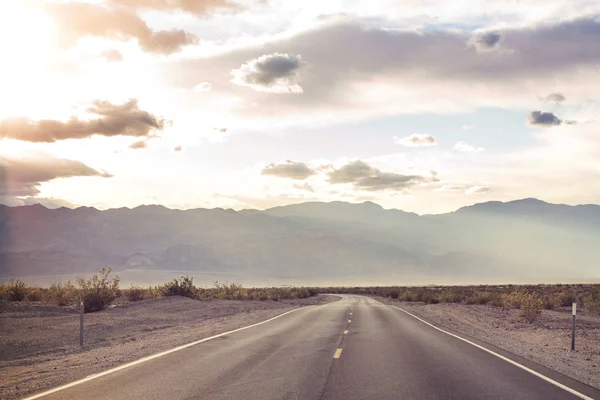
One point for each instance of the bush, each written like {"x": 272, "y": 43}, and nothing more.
{"x": 553, "y": 301}
{"x": 567, "y": 299}
{"x": 184, "y": 287}
{"x": 136, "y": 293}
{"x": 98, "y": 291}
{"x": 429, "y": 297}
{"x": 15, "y": 290}
{"x": 513, "y": 299}
{"x": 531, "y": 307}
{"x": 34, "y": 294}
{"x": 63, "y": 293}
{"x": 484, "y": 298}
{"x": 450, "y": 296}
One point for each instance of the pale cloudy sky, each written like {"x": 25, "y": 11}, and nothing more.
{"x": 422, "y": 105}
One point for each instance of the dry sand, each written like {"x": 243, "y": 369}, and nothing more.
{"x": 39, "y": 344}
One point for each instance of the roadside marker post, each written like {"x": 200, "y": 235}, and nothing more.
{"x": 81, "y": 323}
{"x": 573, "y": 333}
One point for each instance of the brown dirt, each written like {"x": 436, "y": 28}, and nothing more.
{"x": 547, "y": 341}
{"x": 39, "y": 343}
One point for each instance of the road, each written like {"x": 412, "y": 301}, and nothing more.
{"x": 355, "y": 348}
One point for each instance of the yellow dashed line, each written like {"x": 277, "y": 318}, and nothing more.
{"x": 338, "y": 353}
{"x": 346, "y": 332}
{"x": 349, "y": 320}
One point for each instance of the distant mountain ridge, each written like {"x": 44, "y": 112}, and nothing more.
{"x": 518, "y": 240}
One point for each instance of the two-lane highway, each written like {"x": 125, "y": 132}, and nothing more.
{"x": 355, "y": 348}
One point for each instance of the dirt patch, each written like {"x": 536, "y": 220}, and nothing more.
{"x": 547, "y": 341}
{"x": 39, "y": 344}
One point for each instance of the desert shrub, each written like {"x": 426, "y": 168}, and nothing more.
{"x": 229, "y": 291}
{"x": 553, "y": 301}
{"x": 480, "y": 297}
{"x": 34, "y": 294}
{"x": 260, "y": 295}
{"x": 98, "y": 291}
{"x": 63, "y": 293}
{"x": 450, "y": 296}
{"x": 531, "y": 306}
{"x": 567, "y": 299}
{"x": 180, "y": 287}
{"x": 408, "y": 295}
{"x": 136, "y": 293}
{"x": 428, "y": 297}
{"x": 15, "y": 290}
{"x": 592, "y": 302}
{"x": 513, "y": 299}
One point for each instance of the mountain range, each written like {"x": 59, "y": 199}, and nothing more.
{"x": 310, "y": 243}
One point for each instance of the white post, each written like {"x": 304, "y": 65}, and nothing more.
{"x": 573, "y": 333}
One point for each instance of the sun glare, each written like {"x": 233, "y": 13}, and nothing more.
{"x": 26, "y": 43}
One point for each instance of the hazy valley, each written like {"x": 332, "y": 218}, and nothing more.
{"x": 311, "y": 243}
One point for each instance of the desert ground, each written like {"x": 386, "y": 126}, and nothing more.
{"x": 39, "y": 343}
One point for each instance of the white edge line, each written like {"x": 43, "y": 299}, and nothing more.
{"x": 153, "y": 356}
{"x": 508, "y": 360}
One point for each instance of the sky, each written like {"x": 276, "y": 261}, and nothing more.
{"x": 420, "y": 105}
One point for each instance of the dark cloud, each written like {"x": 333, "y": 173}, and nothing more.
{"x": 364, "y": 176}
{"x": 82, "y": 19}
{"x": 112, "y": 55}
{"x": 487, "y": 41}
{"x": 535, "y": 54}
{"x": 543, "y": 119}
{"x": 22, "y": 177}
{"x": 289, "y": 169}
{"x": 140, "y": 144}
{"x": 115, "y": 119}
{"x": 555, "y": 98}
{"x": 276, "y": 73}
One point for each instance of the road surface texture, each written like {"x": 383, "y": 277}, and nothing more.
{"x": 355, "y": 348}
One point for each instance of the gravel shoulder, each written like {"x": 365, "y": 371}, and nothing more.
{"x": 39, "y": 344}
{"x": 547, "y": 341}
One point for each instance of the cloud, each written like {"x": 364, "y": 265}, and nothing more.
{"x": 20, "y": 177}
{"x": 555, "y": 98}
{"x": 467, "y": 189}
{"x": 365, "y": 177}
{"x": 272, "y": 73}
{"x": 467, "y": 148}
{"x": 289, "y": 169}
{"x": 203, "y": 87}
{"x": 140, "y": 144}
{"x": 82, "y": 19}
{"x": 395, "y": 71}
{"x": 451, "y": 188}
{"x": 487, "y": 41}
{"x": 112, "y": 55}
{"x": 125, "y": 119}
{"x": 305, "y": 186}
{"x": 415, "y": 140}
{"x": 541, "y": 118}
{"x": 477, "y": 189}
{"x": 197, "y": 7}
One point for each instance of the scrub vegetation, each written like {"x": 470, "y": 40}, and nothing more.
{"x": 100, "y": 290}
{"x": 529, "y": 299}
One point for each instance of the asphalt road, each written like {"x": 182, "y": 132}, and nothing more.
{"x": 355, "y": 348}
